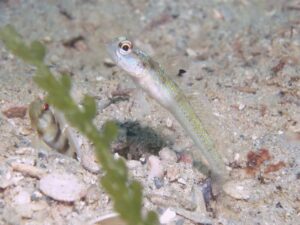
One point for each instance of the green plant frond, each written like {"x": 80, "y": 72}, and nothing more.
{"x": 33, "y": 54}
{"x": 125, "y": 193}
{"x": 89, "y": 105}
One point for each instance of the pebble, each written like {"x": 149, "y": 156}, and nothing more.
{"x": 241, "y": 106}
{"x": 169, "y": 123}
{"x": 15, "y": 112}
{"x": 99, "y": 78}
{"x": 5, "y": 177}
{"x": 182, "y": 181}
{"x": 155, "y": 167}
{"x": 172, "y": 173}
{"x": 25, "y": 131}
{"x": 198, "y": 199}
{"x": 240, "y": 189}
{"x": 158, "y": 182}
{"x": 107, "y": 219}
{"x": 190, "y": 52}
{"x": 194, "y": 217}
{"x": 5, "y": 183}
{"x": 133, "y": 164}
{"x": 167, "y": 217}
{"x": 93, "y": 194}
{"x": 24, "y": 210}
{"x": 27, "y": 169}
{"x": 108, "y": 62}
{"x": 62, "y": 187}
{"x": 89, "y": 163}
{"x": 36, "y": 195}
{"x": 81, "y": 46}
{"x": 37, "y": 206}
{"x": 47, "y": 39}
{"x": 23, "y": 197}
{"x": 10, "y": 215}
{"x": 168, "y": 155}
{"x": 143, "y": 160}
{"x": 24, "y": 151}
{"x": 186, "y": 158}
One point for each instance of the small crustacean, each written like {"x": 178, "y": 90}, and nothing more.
{"x": 49, "y": 128}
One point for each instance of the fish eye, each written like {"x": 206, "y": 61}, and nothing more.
{"x": 45, "y": 107}
{"x": 125, "y": 47}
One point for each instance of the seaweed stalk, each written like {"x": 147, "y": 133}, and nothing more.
{"x": 125, "y": 193}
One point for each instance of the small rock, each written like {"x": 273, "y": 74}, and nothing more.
{"x": 182, "y": 181}
{"x": 24, "y": 210}
{"x": 155, "y": 167}
{"x": 236, "y": 157}
{"x": 107, "y": 219}
{"x": 15, "y": 112}
{"x": 169, "y": 123}
{"x": 143, "y": 160}
{"x": 80, "y": 45}
{"x": 36, "y": 195}
{"x": 167, "y": 217}
{"x": 168, "y": 155}
{"x": 186, "y": 158}
{"x": 27, "y": 169}
{"x": 190, "y": 52}
{"x": 79, "y": 206}
{"x": 88, "y": 161}
{"x": 99, "y": 78}
{"x": 92, "y": 194}
{"x": 54, "y": 59}
{"x": 40, "y": 205}
{"x": 10, "y": 56}
{"x": 108, "y": 62}
{"x": 5, "y": 183}
{"x": 172, "y": 173}
{"x": 47, "y": 39}
{"x": 218, "y": 15}
{"x": 62, "y": 187}
{"x": 42, "y": 155}
{"x": 207, "y": 193}
{"x": 158, "y": 182}
{"x": 2, "y": 203}
{"x": 132, "y": 164}
{"x": 239, "y": 189}
{"x": 24, "y": 151}
{"x": 11, "y": 216}
{"x": 5, "y": 177}
{"x": 198, "y": 198}
{"x": 194, "y": 217}
{"x": 241, "y": 106}
{"x": 25, "y": 131}
{"x": 23, "y": 197}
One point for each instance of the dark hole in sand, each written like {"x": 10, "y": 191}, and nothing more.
{"x": 136, "y": 141}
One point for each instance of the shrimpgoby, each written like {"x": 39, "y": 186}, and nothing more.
{"x": 151, "y": 77}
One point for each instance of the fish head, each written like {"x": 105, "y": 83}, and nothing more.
{"x": 36, "y": 109}
{"x": 128, "y": 57}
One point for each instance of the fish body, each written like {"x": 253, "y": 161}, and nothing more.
{"x": 54, "y": 131}
{"x": 151, "y": 77}
{"x": 48, "y": 128}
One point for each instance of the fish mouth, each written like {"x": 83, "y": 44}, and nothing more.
{"x": 112, "y": 48}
